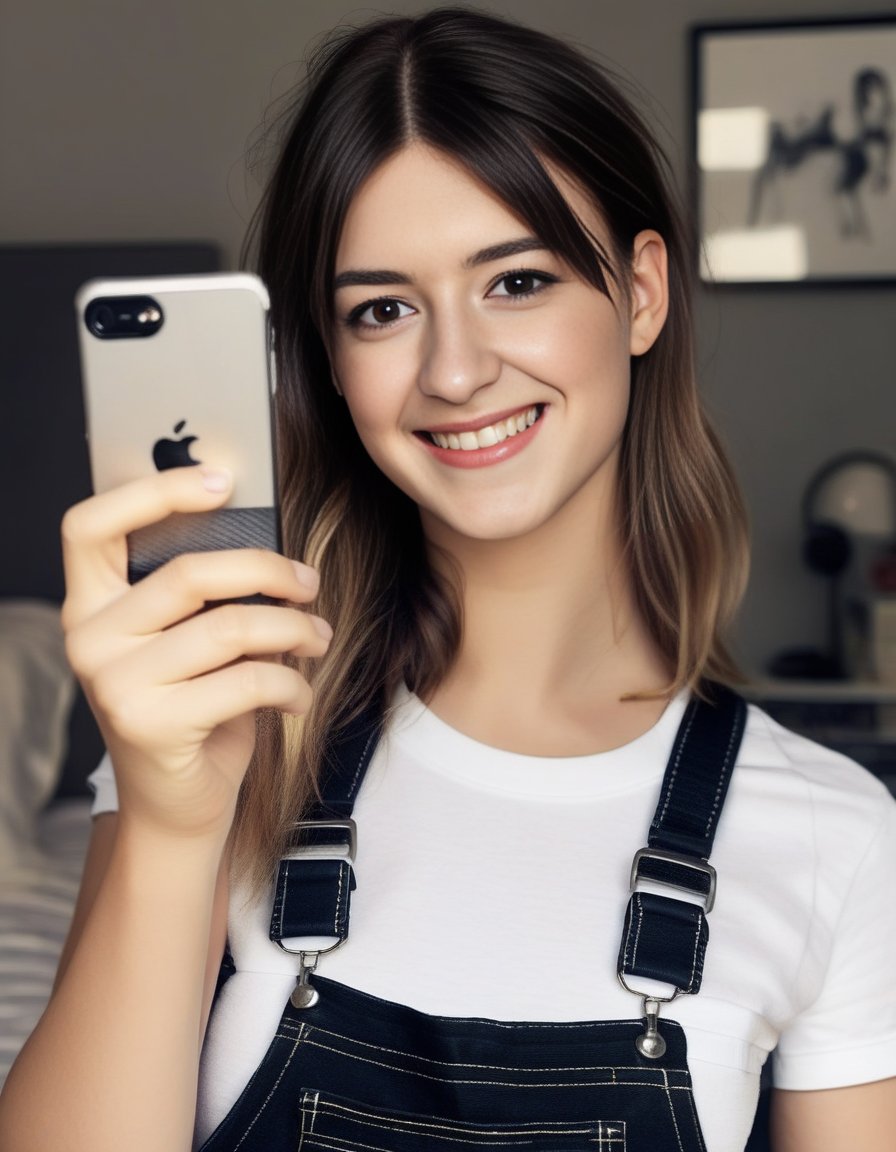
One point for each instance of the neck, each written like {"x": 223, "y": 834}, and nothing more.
{"x": 552, "y": 640}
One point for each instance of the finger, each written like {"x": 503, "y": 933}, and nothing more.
{"x": 94, "y": 532}
{"x": 232, "y": 632}
{"x": 202, "y": 705}
{"x": 178, "y": 718}
{"x": 184, "y": 586}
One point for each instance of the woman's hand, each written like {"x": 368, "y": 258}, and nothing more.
{"x": 174, "y": 688}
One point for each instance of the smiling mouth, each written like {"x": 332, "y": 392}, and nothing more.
{"x": 490, "y": 434}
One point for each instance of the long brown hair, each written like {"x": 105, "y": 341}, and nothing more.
{"x": 508, "y": 103}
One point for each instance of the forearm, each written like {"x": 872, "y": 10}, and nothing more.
{"x": 114, "y": 1061}
{"x": 859, "y": 1117}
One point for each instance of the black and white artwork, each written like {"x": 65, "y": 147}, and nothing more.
{"x": 795, "y": 151}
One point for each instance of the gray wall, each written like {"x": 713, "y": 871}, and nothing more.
{"x": 131, "y": 120}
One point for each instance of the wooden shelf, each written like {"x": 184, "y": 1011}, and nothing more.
{"x": 856, "y": 717}
{"x": 822, "y": 691}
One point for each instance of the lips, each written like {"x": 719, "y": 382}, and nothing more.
{"x": 466, "y": 446}
{"x": 469, "y": 440}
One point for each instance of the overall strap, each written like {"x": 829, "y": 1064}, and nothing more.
{"x": 664, "y": 938}
{"x": 316, "y": 877}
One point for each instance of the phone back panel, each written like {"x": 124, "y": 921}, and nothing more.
{"x": 197, "y": 390}
{"x": 205, "y": 372}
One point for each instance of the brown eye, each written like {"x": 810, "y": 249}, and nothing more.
{"x": 385, "y": 311}
{"x": 519, "y": 284}
{"x": 378, "y": 313}
{"x": 524, "y": 282}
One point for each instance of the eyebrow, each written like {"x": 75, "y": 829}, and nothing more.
{"x": 366, "y": 277}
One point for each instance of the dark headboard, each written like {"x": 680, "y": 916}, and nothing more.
{"x": 43, "y": 464}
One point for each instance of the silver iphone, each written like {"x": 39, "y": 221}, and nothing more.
{"x": 177, "y": 371}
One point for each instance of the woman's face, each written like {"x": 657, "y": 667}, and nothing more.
{"x": 485, "y": 378}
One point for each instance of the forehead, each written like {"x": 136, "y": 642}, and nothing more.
{"x": 422, "y": 201}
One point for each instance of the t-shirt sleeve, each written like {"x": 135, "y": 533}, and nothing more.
{"x": 101, "y": 782}
{"x": 847, "y": 1035}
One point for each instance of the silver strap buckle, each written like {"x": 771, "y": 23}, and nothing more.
{"x": 700, "y": 866}
{"x": 347, "y": 849}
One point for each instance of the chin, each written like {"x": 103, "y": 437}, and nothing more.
{"x": 495, "y": 527}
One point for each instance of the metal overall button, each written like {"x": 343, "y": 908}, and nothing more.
{"x": 650, "y": 1043}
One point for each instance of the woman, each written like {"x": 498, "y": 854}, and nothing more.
{"x": 528, "y": 544}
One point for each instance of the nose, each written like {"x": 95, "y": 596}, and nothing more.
{"x": 458, "y": 358}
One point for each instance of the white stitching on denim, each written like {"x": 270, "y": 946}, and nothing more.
{"x": 697, "y": 1130}
{"x": 313, "y": 1097}
{"x": 606, "y": 1140}
{"x": 638, "y": 930}
{"x": 672, "y": 1112}
{"x": 314, "y": 1112}
{"x": 684, "y": 739}
{"x": 345, "y": 1144}
{"x": 627, "y": 930}
{"x": 640, "y": 1084}
{"x": 526, "y": 1026}
{"x": 694, "y": 959}
{"x": 337, "y": 917}
{"x": 427, "y": 1127}
{"x": 318, "y": 1031}
{"x": 502, "y": 1083}
{"x": 280, "y": 900}
{"x": 361, "y": 762}
{"x": 267, "y": 1099}
{"x": 482, "y": 1142}
{"x": 726, "y": 760}
{"x": 419, "y": 1123}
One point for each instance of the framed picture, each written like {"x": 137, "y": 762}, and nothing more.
{"x": 795, "y": 151}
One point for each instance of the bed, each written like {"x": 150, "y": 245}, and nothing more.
{"x": 41, "y": 848}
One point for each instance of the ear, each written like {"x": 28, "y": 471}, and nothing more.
{"x": 649, "y": 291}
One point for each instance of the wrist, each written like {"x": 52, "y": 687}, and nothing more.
{"x": 146, "y": 845}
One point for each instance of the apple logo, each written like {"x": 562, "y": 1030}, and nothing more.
{"x": 174, "y": 453}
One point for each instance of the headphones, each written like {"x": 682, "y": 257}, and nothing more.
{"x": 827, "y": 548}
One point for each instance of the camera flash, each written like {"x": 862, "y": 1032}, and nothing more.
{"x": 149, "y": 316}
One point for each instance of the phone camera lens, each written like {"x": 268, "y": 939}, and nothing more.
{"x": 104, "y": 318}
{"x": 123, "y": 317}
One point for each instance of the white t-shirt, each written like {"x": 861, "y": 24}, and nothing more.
{"x": 494, "y": 884}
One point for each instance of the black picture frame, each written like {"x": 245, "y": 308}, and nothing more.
{"x": 794, "y": 151}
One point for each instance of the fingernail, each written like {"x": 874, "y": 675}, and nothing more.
{"x": 322, "y": 628}
{"x": 306, "y": 575}
{"x": 215, "y": 479}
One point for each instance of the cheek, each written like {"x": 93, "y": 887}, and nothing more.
{"x": 588, "y": 332}
{"x": 592, "y": 351}
{"x": 373, "y": 381}
{"x": 373, "y": 411}
{"x": 376, "y": 412}
{"x": 359, "y": 389}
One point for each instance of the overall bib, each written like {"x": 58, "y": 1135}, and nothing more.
{"x": 348, "y": 1072}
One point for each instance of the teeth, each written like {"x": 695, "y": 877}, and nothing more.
{"x": 488, "y": 436}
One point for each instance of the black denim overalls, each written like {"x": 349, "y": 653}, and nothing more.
{"x": 347, "y": 1072}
